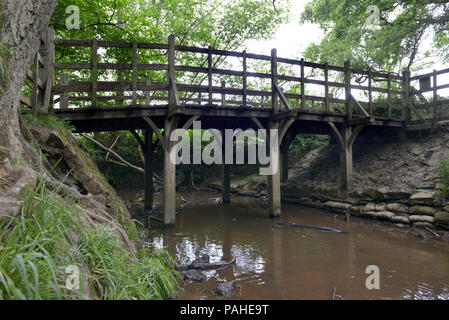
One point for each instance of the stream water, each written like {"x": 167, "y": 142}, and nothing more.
{"x": 277, "y": 262}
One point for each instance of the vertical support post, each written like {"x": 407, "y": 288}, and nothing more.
{"x": 171, "y": 72}
{"x": 274, "y": 80}
{"x": 389, "y": 94}
{"x": 326, "y": 86}
{"x": 303, "y": 86}
{"x": 64, "y": 97}
{"x": 406, "y": 96}
{"x": 34, "y": 95}
{"x": 169, "y": 176}
{"x": 49, "y": 61}
{"x": 346, "y": 161}
{"x": 94, "y": 72}
{"x": 134, "y": 77}
{"x": 274, "y": 180}
{"x": 226, "y": 174}
{"x": 121, "y": 92}
{"x": 209, "y": 74}
{"x": 370, "y": 94}
{"x": 436, "y": 112}
{"x": 223, "y": 95}
{"x": 348, "y": 89}
{"x": 245, "y": 79}
{"x": 148, "y": 170}
{"x": 147, "y": 91}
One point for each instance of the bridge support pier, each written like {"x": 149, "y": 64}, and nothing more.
{"x": 148, "y": 170}
{"x": 169, "y": 175}
{"x": 346, "y": 136}
{"x": 274, "y": 180}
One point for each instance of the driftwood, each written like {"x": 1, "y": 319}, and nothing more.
{"x": 302, "y": 226}
{"x": 205, "y": 265}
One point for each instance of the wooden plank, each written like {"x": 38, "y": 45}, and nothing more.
{"x": 406, "y": 96}
{"x": 147, "y": 93}
{"x": 94, "y": 72}
{"x": 209, "y": 74}
{"x": 326, "y": 86}
{"x": 370, "y": 94}
{"x": 348, "y": 89}
{"x": 389, "y": 94}
{"x": 223, "y": 95}
{"x": 282, "y": 97}
{"x": 435, "y": 97}
{"x": 245, "y": 80}
{"x": 303, "y": 102}
{"x": 274, "y": 80}
{"x": 134, "y": 76}
{"x": 359, "y": 106}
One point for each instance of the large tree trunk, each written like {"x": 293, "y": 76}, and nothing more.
{"x": 21, "y": 22}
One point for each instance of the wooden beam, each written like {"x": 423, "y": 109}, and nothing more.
{"x": 134, "y": 77}
{"x": 274, "y": 80}
{"x": 348, "y": 89}
{"x": 94, "y": 72}
{"x": 148, "y": 183}
{"x": 156, "y": 131}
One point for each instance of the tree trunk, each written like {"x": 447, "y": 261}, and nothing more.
{"x": 21, "y": 23}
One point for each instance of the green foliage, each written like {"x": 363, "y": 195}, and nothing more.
{"x": 47, "y": 120}
{"x": 392, "y": 46}
{"x": 444, "y": 175}
{"x": 118, "y": 276}
{"x": 37, "y": 246}
{"x": 305, "y": 143}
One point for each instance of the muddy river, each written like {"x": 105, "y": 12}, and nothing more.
{"x": 278, "y": 262}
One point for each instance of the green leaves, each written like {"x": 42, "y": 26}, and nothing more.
{"x": 395, "y": 44}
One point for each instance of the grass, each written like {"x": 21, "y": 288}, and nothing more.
{"x": 444, "y": 175}
{"x": 37, "y": 246}
{"x": 47, "y": 120}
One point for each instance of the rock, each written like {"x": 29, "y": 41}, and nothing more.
{"x": 193, "y": 275}
{"x": 442, "y": 217}
{"x": 400, "y": 219}
{"x": 445, "y": 237}
{"x": 226, "y": 289}
{"x": 397, "y": 208}
{"x": 421, "y": 237}
{"x": 426, "y": 197}
{"x": 199, "y": 261}
{"x": 416, "y": 218}
{"x": 422, "y": 225}
{"x": 337, "y": 205}
{"x": 383, "y": 215}
{"x": 380, "y": 207}
{"x": 423, "y": 210}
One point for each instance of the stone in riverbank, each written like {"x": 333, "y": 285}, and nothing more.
{"x": 382, "y": 215}
{"x": 400, "y": 219}
{"x": 423, "y": 225}
{"x": 226, "y": 289}
{"x": 425, "y": 197}
{"x": 423, "y": 210}
{"x": 416, "y": 218}
{"x": 442, "y": 218}
{"x": 397, "y": 208}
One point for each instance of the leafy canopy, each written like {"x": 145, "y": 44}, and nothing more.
{"x": 399, "y": 41}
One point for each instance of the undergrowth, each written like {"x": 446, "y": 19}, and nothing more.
{"x": 37, "y": 246}
{"x": 47, "y": 120}
{"x": 444, "y": 175}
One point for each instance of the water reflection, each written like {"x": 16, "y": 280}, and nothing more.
{"x": 274, "y": 262}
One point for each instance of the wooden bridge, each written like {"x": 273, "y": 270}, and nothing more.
{"x": 252, "y": 91}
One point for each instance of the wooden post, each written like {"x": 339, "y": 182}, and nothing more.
{"x": 49, "y": 60}
{"x": 303, "y": 100}
{"x": 223, "y": 95}
{"x": 148, "y": 169}
{"x": 284, "y": 161}
{"x": 34, "y": 94}
{"x": 245, "y": 80}
{"x": 346, "y": 161}
{"x": 169, "y": 175}
{"x": 274, "y": 80}
{"x": 171, "y": 72}
{"x": 209, "y": 74}
{"x": 226, "y": 175}
{"x": 134, "y": 77}
{"x": 94, "y": 72}
{"x": 435, "y": 98}
{"x": 326, "y": 86}
{"x": 406, "y": 96}
{"x": 64, "y": 97}
{"x": 147, "y": 92}
{"x": 274, "y": 180}
{"x": 348, "y": 89}
{"x": 370, "y": 94}
{"x": 389, "y": 94}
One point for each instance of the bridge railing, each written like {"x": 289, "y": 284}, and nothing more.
{"x": 230, "y": 79}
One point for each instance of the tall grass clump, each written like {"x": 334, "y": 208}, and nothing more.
{"x": 444, "y": 175}
{"x": 37, "y": 246}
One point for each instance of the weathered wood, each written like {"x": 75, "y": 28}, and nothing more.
{"x": 209, "y": 74}
{"x": 134, "y": 76}
{"x": 435, "y": 108}
{"x": 64, "y": 97}
{"x": 326, "y": 86}
{"x": 223, "y": 95}
{"x": 406, "y": 97}
{"x": 169, "y": 175}
{"x": 303, "y": 102}
{"x": 94, "y": 72}
{"x": 274, "y": 80}
{"x": 389, "y": 94}
{"x": 148, "y": 183}
{"x": 370, "y": 93}
{"x": 245, "y": 80}
{"x": 148, "y": 92}
{"x": 172, "y": 95}
{"x": 348, "y": 89}
{"x": 274, "y": 180}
